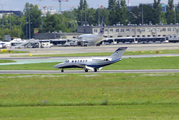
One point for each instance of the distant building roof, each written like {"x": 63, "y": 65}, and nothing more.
{"x": 18, "y": 13}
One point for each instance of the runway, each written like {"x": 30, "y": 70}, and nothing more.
{"x": 29, "y": 60}
{"x": 83, "y": 72}
{"x": 93, "y": 49}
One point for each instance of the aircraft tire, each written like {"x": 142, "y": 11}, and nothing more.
{"x": 62, "y": 70}
{"x": 86, "y": 70}
{"x": 95, "y": 70}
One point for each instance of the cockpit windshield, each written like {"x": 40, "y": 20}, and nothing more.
{"x": 66, "y": 61}
{"x": 80, "y": 38}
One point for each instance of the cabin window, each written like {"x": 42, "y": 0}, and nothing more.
{"x": 106, "y": 31}
{"x": 80, "y": 60}
{"x": 164, "y": 29}
{"x": 86, "y": 60}
{"x": 158, "y": 29}
{"x": 111, "y": 30}
{"x": 75, "y": 61}
{"x": 122, "y": 30}
{"x": 138, "y": 30}
{"x": 72, "y": 61}
{"x": 143, "y": 30}
{"x": 153, "y": 30}
{"x": 127, "y": 30}
{"x": 169, "y": 29}
{"x": 95, "y": 30}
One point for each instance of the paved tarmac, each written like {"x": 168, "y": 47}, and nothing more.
{"x": 82, "y": 71}
{"x": 28, "y": 60}
{"x": 90, "y": 49}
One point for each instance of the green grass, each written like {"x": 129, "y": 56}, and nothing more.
{"x": 135, "y": 112}
{"x": 89, "y": 89}
{"x": 90, "y": 96}
{"x": 129, "y": 63}
{"x": 105, "y": 53}
{"x": 7, "y": 61}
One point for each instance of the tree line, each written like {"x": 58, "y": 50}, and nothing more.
{"x": 116, "y": 12}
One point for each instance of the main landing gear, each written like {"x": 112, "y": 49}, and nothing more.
{"x": 62, "y": 70}
{"x": 95, "y": 70}
{"x": 86, "y": 70}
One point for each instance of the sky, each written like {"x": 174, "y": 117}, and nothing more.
{"x": 20, "y": 4}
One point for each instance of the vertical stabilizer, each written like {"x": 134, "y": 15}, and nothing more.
{"x": 101, "y": 32}
{"x": 118, "y": 53}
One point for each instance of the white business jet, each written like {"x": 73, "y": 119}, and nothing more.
{"x": 94, "y": 63}
{"x": 92, "y": 39}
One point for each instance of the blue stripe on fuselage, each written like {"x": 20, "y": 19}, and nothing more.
{"x": 98, "y": 65}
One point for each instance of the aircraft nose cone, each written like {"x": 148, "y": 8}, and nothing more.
{"x": 56, "y": 66}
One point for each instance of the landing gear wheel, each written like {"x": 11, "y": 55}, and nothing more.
{"x": 95, "y": 70}
{"x": 86, "y": 70}
{"x": 62, "y": 70}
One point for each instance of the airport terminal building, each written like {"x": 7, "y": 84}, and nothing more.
{"x": 133, "y": 30}
{"x": 119, "y": 30}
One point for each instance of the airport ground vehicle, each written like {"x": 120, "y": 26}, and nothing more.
{"x": 134, "y": 40}
{"x": 151, "y": 40}
{"x": 64, "y": 42}
{"x": 172, "y": 38}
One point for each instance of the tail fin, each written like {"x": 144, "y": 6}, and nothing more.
{"x": 118, "y": 53}
{"x": 101, "y": 32}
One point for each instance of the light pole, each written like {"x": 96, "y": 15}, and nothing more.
{"x": 26, "y": 24}
{"x": 142, "y": 13}
{"x": 2, "y": 23}
{"x": 175, "y": 14}
{"x": 98, "y": 14}
{"x": 81, "y": 18}
{"x": 71, "y": 19}
{"x": 10, "y": 21}
{"x": 85, "y": 17}
{"x": 29, "y": 22}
